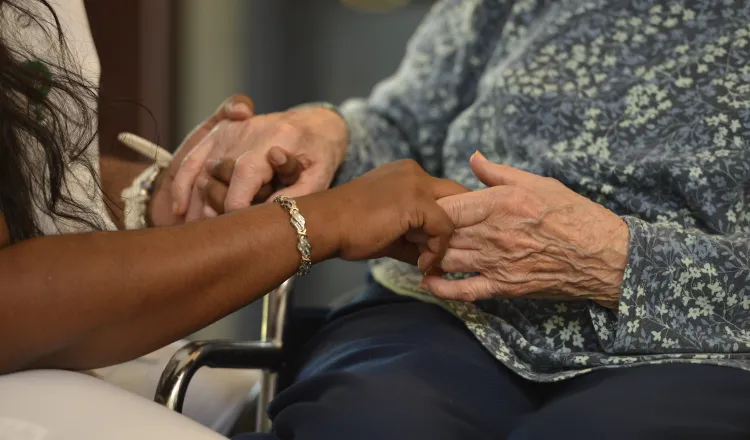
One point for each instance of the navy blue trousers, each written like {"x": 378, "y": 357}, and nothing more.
{"x": 392, "y": 368}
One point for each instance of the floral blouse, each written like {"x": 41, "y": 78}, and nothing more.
{"x": 642, "y": 106}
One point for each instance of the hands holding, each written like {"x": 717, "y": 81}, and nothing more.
{"x": 526, "y": 235}
{"x": 300, "y": 148}
{"x": 529, "y": 236}
{"x": 371, "y": 216}
{"x": 311, "y": 140}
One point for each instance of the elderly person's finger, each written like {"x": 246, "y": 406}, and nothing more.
{"x": 182, "y": 184}
{"x": 236, "y": 108}
{"x": 221, "y": 172}
{"x": 461, "y": 260}
{"x": 469, "y": 289}
{"x": 481, "y": 287}
{"x": 467, "y": 209}
{"x": 286, "y": 167}
{"x": 251, "y": 172}
{"x": 477, "y": 237}
{"x": 311, "y": 181}
{"x": 492, "y": 174}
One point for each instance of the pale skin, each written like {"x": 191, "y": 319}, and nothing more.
{"x": 315, "y": 137}
{"x": 526, "y": 235}
{"x": 530, "y": 236}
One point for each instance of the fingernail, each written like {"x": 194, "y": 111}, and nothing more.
{"x": 277, "y": 157}
{"x": 209, "y": 212}
{"x": 176, "y": 208}
{"x": 419, "y": 262}
{"x": 211, "y": 164}
{"x": 422, "y": 284}
{"x": 240, "y": 107}
{"x": 202, "y": 182}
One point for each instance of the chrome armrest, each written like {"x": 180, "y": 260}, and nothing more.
{"x": 265, "y": 354}
{"x": 176, "y": 376}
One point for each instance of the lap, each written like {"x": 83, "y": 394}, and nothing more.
{"x": 395, "y": 368}
{"x": 677, "y": 401}
{"x": 391, "y": 367}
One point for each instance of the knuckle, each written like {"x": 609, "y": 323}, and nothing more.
{"x": 288, "y": 132}
{"x": 190, "y": 162}
{"x": 245, "y": 164}
{"x": 468, "y": 295}
{"x": 552, "y": 182}
{"x": 409, "y": 165}
{"x": 234, "y": 204}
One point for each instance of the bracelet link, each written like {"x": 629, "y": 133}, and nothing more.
{"x": 298, "y": 222}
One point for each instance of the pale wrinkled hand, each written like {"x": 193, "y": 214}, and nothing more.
{"x": 315, "y": 137}
{"x": 161, "y": 209}
{"x": 529, "y": 236}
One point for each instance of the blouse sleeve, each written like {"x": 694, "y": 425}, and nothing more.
{"x": 683, "y": 291}
{"x": 407, "y": 115}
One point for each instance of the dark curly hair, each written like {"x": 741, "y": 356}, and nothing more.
{"x": 47, "y": 121}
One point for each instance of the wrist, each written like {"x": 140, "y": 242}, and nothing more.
{"x": 325, "y": 120}
{"x": 321, "y": 218}
{"x": 614, "y": 256}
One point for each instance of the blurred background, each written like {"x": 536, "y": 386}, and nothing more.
{"x": 167, "y": 64}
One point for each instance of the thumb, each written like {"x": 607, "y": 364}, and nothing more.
{"x": 492, "y": 174}
{"x": 236, "y": 108}
{"x": 467, "y": 209}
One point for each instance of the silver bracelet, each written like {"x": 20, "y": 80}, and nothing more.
{"x": 137, "y": 196}
{"x": 298, "y": 222}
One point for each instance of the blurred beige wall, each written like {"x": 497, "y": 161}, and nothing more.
{"x": 210, "y": 68}
{"x": 210, "y": 57}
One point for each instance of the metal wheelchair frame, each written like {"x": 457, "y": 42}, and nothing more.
{"x": 265, "y": 354}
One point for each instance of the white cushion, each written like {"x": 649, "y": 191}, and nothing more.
{"x": 215, "y": 397}
{"x": 62, "y": 405}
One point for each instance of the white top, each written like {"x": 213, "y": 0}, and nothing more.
{"x": 82, "y": 186}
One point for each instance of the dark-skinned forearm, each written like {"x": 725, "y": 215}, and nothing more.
{"x": 85, "y": 301}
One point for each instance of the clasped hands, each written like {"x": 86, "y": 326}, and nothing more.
{"x": 524, "y": 235}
